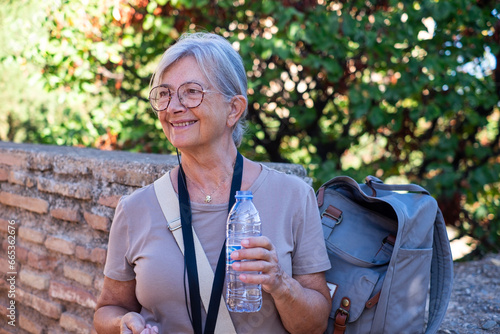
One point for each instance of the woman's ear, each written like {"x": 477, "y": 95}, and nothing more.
{"x": 238, "y": 105}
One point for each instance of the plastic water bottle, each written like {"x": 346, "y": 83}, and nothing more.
{"x": 243, "y": 222}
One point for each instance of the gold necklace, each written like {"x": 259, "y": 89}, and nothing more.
{"x": 208, "y": 198}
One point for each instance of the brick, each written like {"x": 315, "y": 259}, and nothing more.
{"x": 74, "y": 190}
{"x": 127, "y": 176}
{"x": 82, "y": 253}
{"x": 28, "y": 203}
{"x": 34, "y": 279}
{"x": 78, "y": 275}
{"x": 12, "y": 159}
{"x": 32, "y": 235}
{"x": 3, "y": 310}
{"x": 109, "y": 201}
{"x": 45, "y": 307}
{"x": 97, "y": 222}
{"x": 69, "y": 165}
{"x": 96, "y": 255}
{"x": 22, "y": 296}
{"x": 21, "y": 178}
{"x": 74, "y": 323}
{"x": 5, "y": 266}
{"x": 4, "y": 174}
{"x": 41, "y": 162}
{"x": 22, "y": 254}
{"x": 67, "y": 214}
{"x": 72, "y": 294}
{"x": 42, "y": 262}
{"x": 5, "y": 331}
{"x": 30, "y": 326}
{"x": 3, "y": 225}
{"x": 60, "y": 244}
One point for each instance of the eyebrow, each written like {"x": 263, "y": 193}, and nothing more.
{"x": 189, "y": 81}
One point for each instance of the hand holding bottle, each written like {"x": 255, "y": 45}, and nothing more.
{"x": 261, "y": 257}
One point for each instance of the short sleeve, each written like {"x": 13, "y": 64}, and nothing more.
{"x": 117, "y": 266}
{"x": 310, "y": 254}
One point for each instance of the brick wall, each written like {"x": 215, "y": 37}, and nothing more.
{"x": 57, "y": 204}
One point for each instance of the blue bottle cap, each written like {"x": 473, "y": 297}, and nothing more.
{"x": 244, "y": 194}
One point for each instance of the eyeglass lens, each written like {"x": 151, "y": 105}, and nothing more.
{"x": 190, "y": 95}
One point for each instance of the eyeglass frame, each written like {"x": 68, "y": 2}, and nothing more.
{"x": 203, "y": 91}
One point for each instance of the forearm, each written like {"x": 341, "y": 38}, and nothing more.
{"x": 107, "y": 319}
{"x": 302, "y": 310}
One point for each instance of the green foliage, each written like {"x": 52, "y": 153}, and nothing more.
{"x": 392, "y": 88}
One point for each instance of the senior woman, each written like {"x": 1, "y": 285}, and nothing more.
{"x": 199, "y": 93}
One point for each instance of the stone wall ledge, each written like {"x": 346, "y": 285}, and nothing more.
{"x": 128, "y": 168}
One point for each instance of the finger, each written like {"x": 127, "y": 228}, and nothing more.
{"x": 261, "y": 241}
{"x": 254, "y": 278}
{"x": 251, "y": 254}
{"x": 270, "y": 283}
{"x": 150, "y": 330}
{"x": 132, "y": 323}
{"x": 256, "y": 266}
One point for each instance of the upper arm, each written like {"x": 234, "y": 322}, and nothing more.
{"x": 316, "y": 282}
{"x": 119, "y": 293}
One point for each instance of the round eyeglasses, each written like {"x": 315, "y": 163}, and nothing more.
{"x": 190, "y": 95}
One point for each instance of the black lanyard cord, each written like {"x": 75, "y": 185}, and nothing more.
{"x": 190, "y": 255}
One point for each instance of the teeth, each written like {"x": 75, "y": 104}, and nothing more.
{"x": 182, "y": 124}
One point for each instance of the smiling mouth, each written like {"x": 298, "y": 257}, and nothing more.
{"x": 175, "y": 125}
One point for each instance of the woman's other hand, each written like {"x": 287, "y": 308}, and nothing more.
{"x": 150, "y": 330}
{"x": 134, "y": 323}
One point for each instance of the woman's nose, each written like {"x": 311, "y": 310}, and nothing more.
{"x": 175, "y": 104}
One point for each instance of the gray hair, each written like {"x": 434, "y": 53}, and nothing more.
{"x": 220, "y": 63}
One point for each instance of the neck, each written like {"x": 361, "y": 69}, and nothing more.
{"x": 209, "y": 177}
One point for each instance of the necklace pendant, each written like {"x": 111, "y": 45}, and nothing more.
{"x": 208, "y": 199}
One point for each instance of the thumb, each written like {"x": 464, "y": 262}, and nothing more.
{"x": 132, "y": 323}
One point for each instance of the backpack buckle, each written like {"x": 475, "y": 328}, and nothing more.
{"x": 174, "y": 224}
{"x": 342, "y": 315}
{"x": 342, "y": 312}
{"x": 333, "y": 213}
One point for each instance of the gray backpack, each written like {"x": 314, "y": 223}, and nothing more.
{"x": 387, "y": 244}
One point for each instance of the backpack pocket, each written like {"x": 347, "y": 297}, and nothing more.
{"x": 409, "y": 291}
{"x": 355, "y": 279}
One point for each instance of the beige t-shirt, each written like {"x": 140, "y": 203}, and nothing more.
{"x": 141, "y": 247}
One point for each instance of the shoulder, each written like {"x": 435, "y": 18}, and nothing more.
{"x": 139, "y": 198}
{"x": 289, "y": 187}
{"x": 289, "y": 181}
{"x": 134, "y": 211}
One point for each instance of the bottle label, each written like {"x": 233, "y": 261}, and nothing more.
{"x": 229, "y": 250}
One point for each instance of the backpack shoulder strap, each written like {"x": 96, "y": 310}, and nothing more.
{"x": 441, "y": 275}
{"x": 169, "y": 203}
